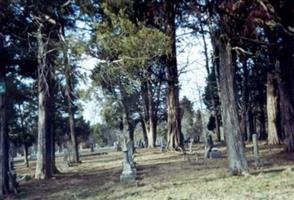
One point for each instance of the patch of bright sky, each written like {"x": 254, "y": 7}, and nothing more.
{"x": 191, "y": 60}
{"x": 191, "y": 64}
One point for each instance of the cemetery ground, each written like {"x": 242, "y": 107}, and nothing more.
{"x": 165, "y": 176}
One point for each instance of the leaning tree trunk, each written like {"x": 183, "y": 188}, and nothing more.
{"x": 272, "y": 109}
{"x": 43, "y": 165}
{"x": 236, "y": 153}
{"x": 174, "y": 134}
{"x": 70, "y": 100}
{"x": 4, "y": 179}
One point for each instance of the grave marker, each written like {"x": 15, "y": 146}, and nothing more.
{"x": 129, "y": 172}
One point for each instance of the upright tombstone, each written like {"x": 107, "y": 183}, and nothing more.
{"x": 215, "y": 153}
{"x": 128, "y": 174}
{"x": 191, "y": 140}
{"x": 66, "y": 156}
{"x": 208, "y": 144}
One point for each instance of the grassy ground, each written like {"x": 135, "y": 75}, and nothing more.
{"x": 165, "y": 176}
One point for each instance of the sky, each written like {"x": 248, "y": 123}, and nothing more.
{"x": 191, "y": 65}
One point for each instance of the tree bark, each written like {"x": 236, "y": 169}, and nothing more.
{"x": 51, "y": 120}
{"x": 236, "y": 153}
{"x": 262, "y": 134}
{"x": 245, "y": 93}
{"x": 215, "y": 70}
{"x": 43, "y": 165}
{"x": 286, "y": 88}
{"x": 174, "y": 134}
{"x": 287, "y": 115}
{"x": 25, "y": 152}
{"x": 143, "y": 125}
{"x": 272, "y": 109}
{"x": 145, "y": 116}
{"x": 4, "y": 179}
{"x": 149, "y": 108}
{"x": 151, "y": 133}
{"x": 212, "y": 97}
{"x": 70, "y": 99}
{"x": 25, "y": 146}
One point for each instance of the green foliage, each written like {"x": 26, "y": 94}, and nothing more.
{"x": 211, "y": 91}
{"x": 22, "y": 115}
{"x": 123, "y": 45}
{"x": 103, "y": 134}
{"x": 82, "y": 128}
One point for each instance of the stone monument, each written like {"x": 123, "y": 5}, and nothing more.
{"x": 129, "y": 171}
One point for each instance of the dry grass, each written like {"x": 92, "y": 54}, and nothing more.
{"x": 165, "y": 176}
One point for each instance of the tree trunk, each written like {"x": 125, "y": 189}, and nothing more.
{"x": 4, "y": 179}
{"x": 262, "y": 134}
{"x": 272, "y": 109}
{"x": 143, "y": 125}
{"x": 236, "y": 153}
{"x": 128, "y": 128}
{"x": 287, "y": 115}
{"x": 245, "y": 93}
{"x": 25, "y": 146}
{"x": 43, "y": 165}
{"x": 51, "y": 123}
{"x": 145, "y": 117}
{"x": 174, "y": 134}
{"x": 151, "y": 133}
{"x": 25, "y": 153}
{"x": 286, "y": 88}
{"x": 212, "y": 97}
{"x": 70, "y": 99}
{"x": 215, "y": 70}
{"x": 52, "y": 111}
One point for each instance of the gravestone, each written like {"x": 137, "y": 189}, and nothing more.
{"x": 66, "y": 156}
{"x": 215, "y": 153}
{"x": 191, "y": 140}
{"x": 81, "y": 147}
{"x": 208, "y": 144}
{"x": 129, "y": 172}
